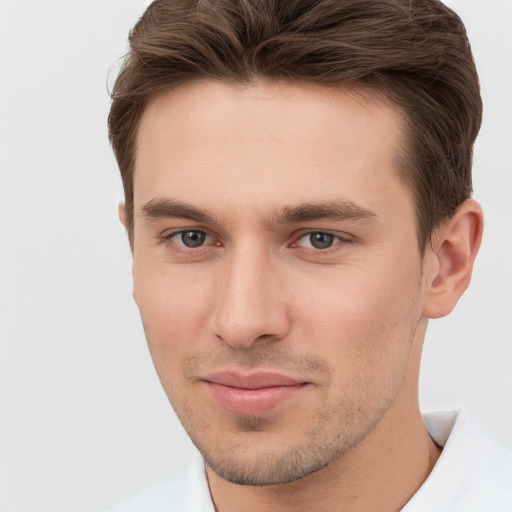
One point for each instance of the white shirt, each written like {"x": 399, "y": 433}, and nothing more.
{"x": 473, "y": 474}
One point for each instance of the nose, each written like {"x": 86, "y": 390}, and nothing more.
{"x": 251, "y": 304}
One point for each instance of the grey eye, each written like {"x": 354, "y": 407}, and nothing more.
{"x": 320, "y": 240}
{"x": 193, "y": 238}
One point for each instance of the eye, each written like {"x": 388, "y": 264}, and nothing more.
{"x": 191, "y": 238}
{"x": 319, "y": 240}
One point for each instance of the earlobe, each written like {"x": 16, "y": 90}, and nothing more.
{"x": 449, "y": 263}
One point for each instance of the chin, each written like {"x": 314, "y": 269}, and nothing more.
{"x": 264, "y": 469}
{"x": 258, "y": 455}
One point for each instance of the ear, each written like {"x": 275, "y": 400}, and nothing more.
{"x": 449, "y": 261}
{"x": 121, "y": 211}
{"x": 123, "y": 217}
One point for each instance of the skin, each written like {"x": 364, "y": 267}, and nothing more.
{"x": 347, "y": 320}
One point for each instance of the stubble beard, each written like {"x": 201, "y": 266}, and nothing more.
{"x": 256, "y": 462}
{"x": 313, "y": 451}
{"x": 243, "y": 456}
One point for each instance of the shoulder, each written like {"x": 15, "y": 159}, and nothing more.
{"x": 473, "y": 474}
{"x": 186, "y": 491}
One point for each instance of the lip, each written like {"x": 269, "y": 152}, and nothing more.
{"x": 252, "y": 394}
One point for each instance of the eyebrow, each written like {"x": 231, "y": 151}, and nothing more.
{"x": 169, "y": 208}
{"x": 330, "y": 210}
{"x": 305, "y": 212}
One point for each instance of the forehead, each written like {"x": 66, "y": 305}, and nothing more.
{"x": 268, "y": 143}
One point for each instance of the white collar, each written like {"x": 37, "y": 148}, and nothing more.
{"x": 473, "y": 473}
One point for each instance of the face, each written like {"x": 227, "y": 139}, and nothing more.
{"x": 277, "y": 271}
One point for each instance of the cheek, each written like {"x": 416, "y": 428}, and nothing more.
{"x": 173, "y": 307}
{"x": 363, "y": 319}
{"x": 172, "y": 315}
{"x": 366, "y": 335}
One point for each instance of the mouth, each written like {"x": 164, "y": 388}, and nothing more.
{"x": 253, "y": 394}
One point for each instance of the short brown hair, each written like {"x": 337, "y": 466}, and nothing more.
{"x": 415, "y": 52}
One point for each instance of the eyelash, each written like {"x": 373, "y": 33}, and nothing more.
{"x": 339, "y": 240}
{"x": 167, "y": 238}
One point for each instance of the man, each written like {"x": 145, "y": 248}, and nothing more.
{"x": 297, "y": 180}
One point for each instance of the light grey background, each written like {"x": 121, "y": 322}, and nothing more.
{"x": 83, "y": 421}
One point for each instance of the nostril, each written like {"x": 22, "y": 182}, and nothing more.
{"x": 265, "y": 337}
{"x": 241, "y": 341}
